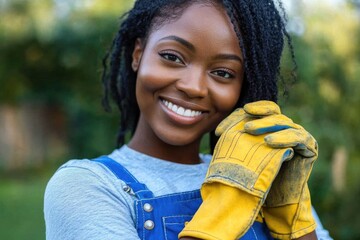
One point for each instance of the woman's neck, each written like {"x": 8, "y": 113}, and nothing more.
{"x": 145, "y": 141}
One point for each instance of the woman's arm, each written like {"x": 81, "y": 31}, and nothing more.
{"x": 81, "y": 203}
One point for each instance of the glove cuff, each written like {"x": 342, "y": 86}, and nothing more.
{"x": 226, "y": 213}
{"x": 289, "y": 222}
{"x": 234, "y": 175}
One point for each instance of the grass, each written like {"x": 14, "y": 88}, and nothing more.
{"x": 21, "y": 204}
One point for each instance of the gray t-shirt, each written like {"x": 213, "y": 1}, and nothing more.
{"x": 85, "y": 200}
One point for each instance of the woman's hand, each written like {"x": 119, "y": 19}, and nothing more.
{"x": 287, "y": 208}
{"x": 240, "y": 175}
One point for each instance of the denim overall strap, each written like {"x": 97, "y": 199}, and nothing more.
{"x": 132, "y": 184}
{"x": 163, "y": 217}
{"x": 166, "y": 216}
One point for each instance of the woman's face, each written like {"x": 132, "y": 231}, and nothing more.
{"x": 189, "y": 76}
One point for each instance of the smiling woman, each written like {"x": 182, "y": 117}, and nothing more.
{"x": 181, "y": 64}
{"x": 178, "y": 69}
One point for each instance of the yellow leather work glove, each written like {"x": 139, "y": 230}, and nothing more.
{"x": 256, "y": 109}
{"x": 287, "y": 208}
{"x": 239, "y": 177}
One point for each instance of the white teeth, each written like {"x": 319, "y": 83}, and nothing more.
{"x": 187, "y": 113}
{"x": 180, "y": 110}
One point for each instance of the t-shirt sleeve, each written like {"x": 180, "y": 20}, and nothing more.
{"x": 79, "y": 204}
{"x": 321, "y": 232}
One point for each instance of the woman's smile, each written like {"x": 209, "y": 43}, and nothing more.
{"x": 181, "y": 112}
{"x": 185, "y": 112}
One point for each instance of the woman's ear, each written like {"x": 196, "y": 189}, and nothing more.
{"x": 136, "y": 55}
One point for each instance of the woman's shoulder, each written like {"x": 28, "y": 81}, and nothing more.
{"x": 160, "y": 176}
{"x": 77, "y": 169}
{"x": 79, "y": 176}
{"x": 79, "y": 188}
{"x": 90, "y": 168}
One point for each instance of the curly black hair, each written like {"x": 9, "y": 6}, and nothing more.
{"x": 259, "y": 26}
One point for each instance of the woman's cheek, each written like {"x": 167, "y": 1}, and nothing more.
{"x": 227, "y": 97}
{"x": 154, "y": 77}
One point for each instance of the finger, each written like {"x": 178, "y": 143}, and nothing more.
{"x": 288, "y": 155}
{"x": 269, "y": 124}
{"x": 299, "y": 139}
{"x": 235, "y": 117}
{"x": 262, "y": 108}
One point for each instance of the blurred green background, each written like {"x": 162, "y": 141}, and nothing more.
{"x": 50, "y": 66}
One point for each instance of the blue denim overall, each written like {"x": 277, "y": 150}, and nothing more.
{"x": 163, "y": 217}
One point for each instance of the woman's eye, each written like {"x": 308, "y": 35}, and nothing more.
{"x": 171, "y": 57}
{"x": 223, "y": 74}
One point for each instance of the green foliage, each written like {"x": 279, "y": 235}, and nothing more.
{"x": 326, "y": 102}
{"x": 61, "y": 67}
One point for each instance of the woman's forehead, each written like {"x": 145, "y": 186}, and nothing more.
{"x": 172, "y": 12}
{"x": 200, "y": 16}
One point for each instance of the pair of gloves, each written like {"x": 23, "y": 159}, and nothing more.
{"x": 261, "y": 162}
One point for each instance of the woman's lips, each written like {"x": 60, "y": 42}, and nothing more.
{"x": 181, "y": 115}
{"x": 185, "y": 112}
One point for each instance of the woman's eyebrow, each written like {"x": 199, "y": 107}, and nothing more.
{"x": 179, "y": 40}
{"x": 229, "y": 57}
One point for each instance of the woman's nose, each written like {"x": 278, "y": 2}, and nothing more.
{"x": 193, "y": 83}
